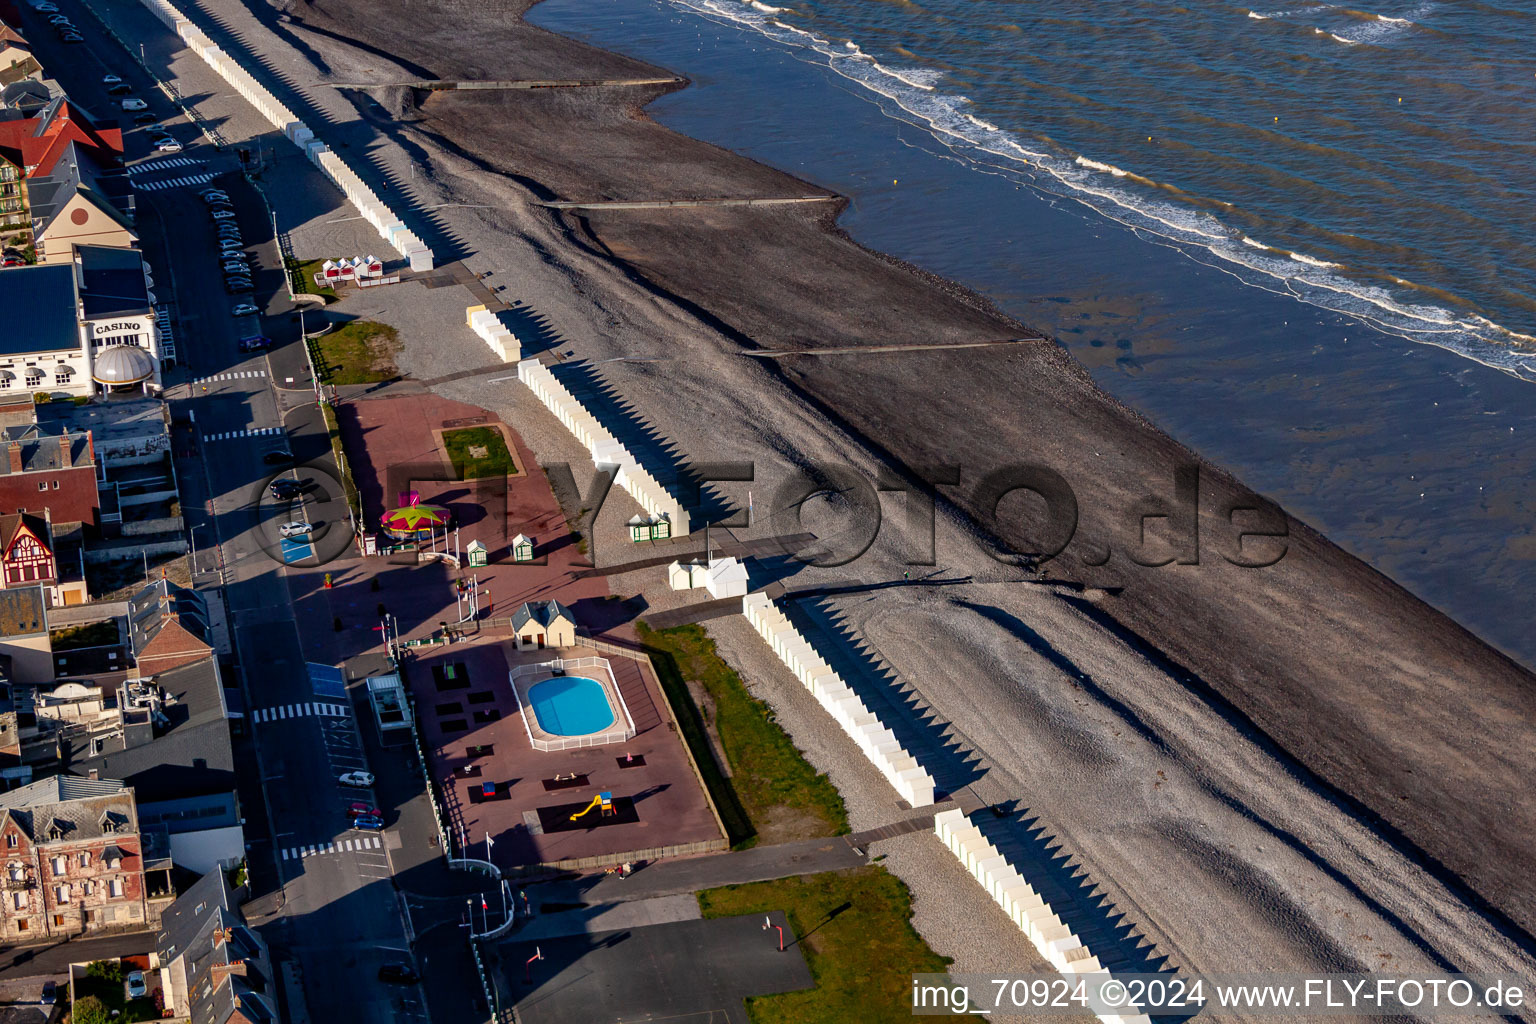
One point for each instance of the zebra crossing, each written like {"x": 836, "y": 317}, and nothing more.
{"x": 304, "y": 710}
{"x": 340, "y": 846}
{"x": 182, "y": 182}
{"x": 230, "y": 435}
{"x": 164, "y": 164}
{"x": 232, "y": 375}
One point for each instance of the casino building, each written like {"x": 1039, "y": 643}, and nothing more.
{"x": 90, "y": 327}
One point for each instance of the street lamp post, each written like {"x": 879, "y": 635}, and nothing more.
{"x": 194, "y": 550}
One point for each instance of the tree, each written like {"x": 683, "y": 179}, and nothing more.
{"x": 90, "y": 1010}
{"x": 106, "y": 970}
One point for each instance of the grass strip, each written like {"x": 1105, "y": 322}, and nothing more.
{"x": 855, "y": 930}
{"x": 768, "y": 774}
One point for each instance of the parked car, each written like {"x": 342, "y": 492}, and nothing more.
{"x": 224, "y": 213}
{"x": 58, "y": 19}
{"x": 368, "y": 823}
{"x": 257, "y": 343}
{"x": 296, "y": 529}
{"x": 228, "y": 229}
{"x": 71, "y": 37}
{"x": 244, "y": 309}
{"x": 136, "y": 987}
{"x": 277, "y": 457}
{"x": 13, "y": 261}
{"x": 231, "y": 245}
{"x": 120, "y": 89}
{"x": 362, "y": 780}
{"x": 145, "y": 117}
{"x": 288, "y": 490}
{"x": 212, "y": 191}
{"x": 398, "y": 974}
{"x": 357, "y": 810}
{"x": 135, "y": 104}
{"x": 110, "y": 79}
{"x": 237, "y": 267}
{"x": 167, "y": 145}
{"x": 50, "y": 994}
{"x": 236, "y": 286}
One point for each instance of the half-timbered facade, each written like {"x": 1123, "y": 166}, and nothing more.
{"x": 26, "y": 551}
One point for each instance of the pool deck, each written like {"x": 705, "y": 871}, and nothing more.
{"x": 613, "y": 728}
{"x": 671, "y": 803}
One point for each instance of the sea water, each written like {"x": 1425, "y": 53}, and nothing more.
{"x": 1296, "y": 237}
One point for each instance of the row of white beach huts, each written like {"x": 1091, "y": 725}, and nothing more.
{"x": 862, "y": 725}
{"x": 1051, "y": 936}
{"x": 605, "y": 449}
{"x": 384, "y": 220}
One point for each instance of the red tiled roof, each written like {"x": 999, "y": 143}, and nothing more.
{"x": 35, "y": 143}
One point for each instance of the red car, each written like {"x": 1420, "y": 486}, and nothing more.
{"x": 361, "y": 810}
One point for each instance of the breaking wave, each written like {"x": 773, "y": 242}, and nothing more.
{"x": 913, "y": 95}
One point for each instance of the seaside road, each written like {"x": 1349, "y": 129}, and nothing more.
{"x": 338, "y": 910}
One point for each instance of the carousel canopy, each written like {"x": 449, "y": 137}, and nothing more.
{"x": 415, "y": 517}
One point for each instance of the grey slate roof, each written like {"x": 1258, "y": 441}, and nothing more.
{"x": 542, "y": 612}
{"x": 112, "y": 280}
{"x": 41, "y": 312}
{"x": 189, "y": 755}
{"x": 22, "y": 612}
{"x": 147, "y": 612}
{"x": 189, "y": 928}
{"x": 40, "y": 445}
{"x": 79, "y": 808}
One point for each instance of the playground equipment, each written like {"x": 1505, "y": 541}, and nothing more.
{"x": 602, "y": 800}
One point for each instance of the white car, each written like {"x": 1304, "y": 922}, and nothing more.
{"x": 111, "y": 80}
{"x": 296, "y": 529}
{"x": 244, "y": 309}
{"x": 168, "y": 145}
{"x": 136, "y": 986}
{"x": 134, "y": 103}
{"x": 361, "y": 780}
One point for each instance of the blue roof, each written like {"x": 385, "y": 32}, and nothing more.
{"x": 47, "y": 293}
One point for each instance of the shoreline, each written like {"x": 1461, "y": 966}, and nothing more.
{"x": 1297, "y": 650}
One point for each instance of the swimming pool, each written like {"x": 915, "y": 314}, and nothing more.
{"x": 571, "y": 706}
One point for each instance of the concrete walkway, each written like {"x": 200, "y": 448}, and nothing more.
{"x": 610, "y": 917}
{"x": 674, "y": 877}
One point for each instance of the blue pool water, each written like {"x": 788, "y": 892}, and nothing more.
{"x": 571, "y": 706}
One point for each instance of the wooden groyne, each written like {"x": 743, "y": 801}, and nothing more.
{"x": 436, "y": 85}
{"x": 667, "y": 204}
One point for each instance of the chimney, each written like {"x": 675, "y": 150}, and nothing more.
{"x": 65, "y": 459}
{"x": 15, "y": 448}
{"x": 95, "y": 774}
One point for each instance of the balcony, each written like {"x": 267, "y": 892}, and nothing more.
{"x": 17, "y": 884}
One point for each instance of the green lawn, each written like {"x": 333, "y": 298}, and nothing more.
{"x": 360, "y": 352}
{"x": 303, "y": 275}
{"x": 772, "y": 793}
{"x": 93, "y": 634}
{"x": 472, "y": 465}
{"x": 856, "y": 933}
